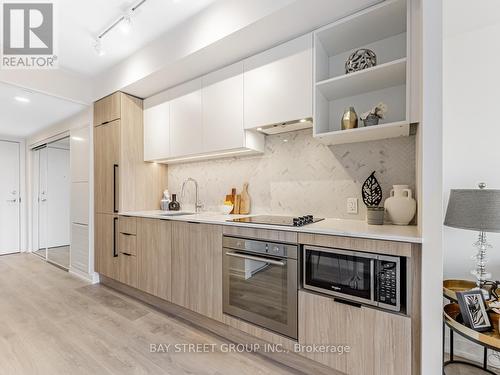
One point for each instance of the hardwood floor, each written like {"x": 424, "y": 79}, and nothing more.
{"x": 55, "y": 323}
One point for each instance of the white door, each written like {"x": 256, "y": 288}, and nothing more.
{"x": 9, "y": 197}
{"x": 58, "y": 197}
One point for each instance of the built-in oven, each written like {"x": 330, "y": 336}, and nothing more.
{"x": 378, "y": 280}
{"x": 260, "y": 283}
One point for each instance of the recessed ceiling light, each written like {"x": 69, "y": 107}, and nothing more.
{"x": 22, "y": 99}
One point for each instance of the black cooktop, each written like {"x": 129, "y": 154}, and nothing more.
{"x": 287, "y": 221}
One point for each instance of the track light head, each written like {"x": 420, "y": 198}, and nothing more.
{"x": 99, "y": 48}
{"x": 126, "y": 24}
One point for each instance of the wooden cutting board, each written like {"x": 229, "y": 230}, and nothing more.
{"x": 245, "y": 200}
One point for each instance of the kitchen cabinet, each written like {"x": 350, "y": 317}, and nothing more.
{"x": 186, "y": 120}
{"x": 106, "y": 164}
{"x": 157, "y": 132}
{"x": 222, "y": 97}
{"x": 105, "y": 245}
{"x": 380, "y": 342}
{"x": 127, "y": 269}
{"x": 107, "y": 109}
{"x": 154, "y": 251}
{"x": 278, "y": 84}
{"x": 122, "y": 180}
{"x": 197, "y": 268}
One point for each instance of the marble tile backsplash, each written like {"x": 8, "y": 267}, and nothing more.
{"x": 299, "y": 175}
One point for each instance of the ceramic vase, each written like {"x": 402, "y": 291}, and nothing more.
{"x": 349, "y": 119}
{"x": 400, "y": 206}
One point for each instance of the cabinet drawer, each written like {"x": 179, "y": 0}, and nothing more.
{"x": 107, "y": 109}
{"x": 128, "y": 225}
{"x": 128, "y": 269}
{"x": 128, "y": 244}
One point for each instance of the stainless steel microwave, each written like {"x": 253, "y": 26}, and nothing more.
{"x": 366, "y": 278}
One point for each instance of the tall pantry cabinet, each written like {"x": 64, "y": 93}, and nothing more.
{"x": 122, "y": 180}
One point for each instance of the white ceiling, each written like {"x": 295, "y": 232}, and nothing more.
{"x": 19, "y": 119}
{"x": 79, "y": 22}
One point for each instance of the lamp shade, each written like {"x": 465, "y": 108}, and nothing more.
{"x": 474, "y": 209}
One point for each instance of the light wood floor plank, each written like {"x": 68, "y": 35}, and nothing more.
{"x": 55, "y": 323}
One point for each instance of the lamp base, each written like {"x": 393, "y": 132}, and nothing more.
{"x": 480, "y": 271}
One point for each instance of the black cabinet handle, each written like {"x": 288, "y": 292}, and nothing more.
{"x": 115, "y": 253}
{"x": 115, "y": 195}
{"x": 127, "y": 254}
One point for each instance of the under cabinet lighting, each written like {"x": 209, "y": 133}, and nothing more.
{"x": 303, "y": 120}
{"x": 21, "y": 99}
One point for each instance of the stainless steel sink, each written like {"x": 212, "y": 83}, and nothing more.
{"x": 176, "y": 213}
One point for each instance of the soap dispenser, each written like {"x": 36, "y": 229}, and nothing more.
{"x": 165, "y": 201}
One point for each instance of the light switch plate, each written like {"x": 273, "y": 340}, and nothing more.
{"x": 352, "y": 205}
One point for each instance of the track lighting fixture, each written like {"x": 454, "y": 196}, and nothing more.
{"x": 125, "y": 23}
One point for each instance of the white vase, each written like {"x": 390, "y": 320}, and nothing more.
{"x": 400, "y": 206}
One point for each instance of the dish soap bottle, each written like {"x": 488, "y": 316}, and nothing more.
{"x": 174, "y": 205}
{"x": 165, "y": 201}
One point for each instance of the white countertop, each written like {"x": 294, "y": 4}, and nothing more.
{"x": 337, "y": 227}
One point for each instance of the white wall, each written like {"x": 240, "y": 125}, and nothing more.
{"x": 430, "y": 167}
{"x": 471, "y": 127}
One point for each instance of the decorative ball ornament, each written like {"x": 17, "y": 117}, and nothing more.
{"x": 360, "y": 59}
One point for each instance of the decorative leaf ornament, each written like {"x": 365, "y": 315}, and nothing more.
{"x": 371, "y": 192}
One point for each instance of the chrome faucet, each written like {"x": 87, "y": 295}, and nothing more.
{"x": 197, "y": 203}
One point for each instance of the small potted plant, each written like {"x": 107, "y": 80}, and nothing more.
{"x": 372, "y": 197}
{"x": 373, "y": 116}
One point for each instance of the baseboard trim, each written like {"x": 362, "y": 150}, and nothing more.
{"x": 93, "y": 277}
{"x": 290, "y": 361}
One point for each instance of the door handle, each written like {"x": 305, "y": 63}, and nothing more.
{"x": 115, "y": 195}
{"x": 259, "y": 259}
{"x": 115, "y": 221}
{"x": 12, "y": 200}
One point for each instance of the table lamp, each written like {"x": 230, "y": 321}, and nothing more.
{"x": 475, "y": 209}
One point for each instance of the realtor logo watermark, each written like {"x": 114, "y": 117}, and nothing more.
{"x": 28, "y": 36}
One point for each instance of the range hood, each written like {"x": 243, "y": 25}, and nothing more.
{"x": 286, "y": 127}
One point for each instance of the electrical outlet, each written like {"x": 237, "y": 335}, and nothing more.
{"x": 352, "y": 205}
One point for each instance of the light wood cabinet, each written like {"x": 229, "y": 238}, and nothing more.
{"x": 107, "y": 109}
{"x": 222, "y": 97}
{"x": 278, "y": 84}
{"x": 186, "y": 123}
{"x": 105, "y": 246}
{"x": 106, "y": 167}
{"x": 127, "y": 269}
{"x": 380, "y": 342}
{"x": 197, "y": 268}
{"x": 122, "y": 180}
{"x": 154, "y": 251}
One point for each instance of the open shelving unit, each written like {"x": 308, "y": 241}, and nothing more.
{"x": 383, "y": 29}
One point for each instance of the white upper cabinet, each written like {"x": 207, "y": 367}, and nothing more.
{"x": 222, "y": 97}
{"x": 278, "y": 84}
{"x": 156, "y": 131}
{"x": 186, "y": 120}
